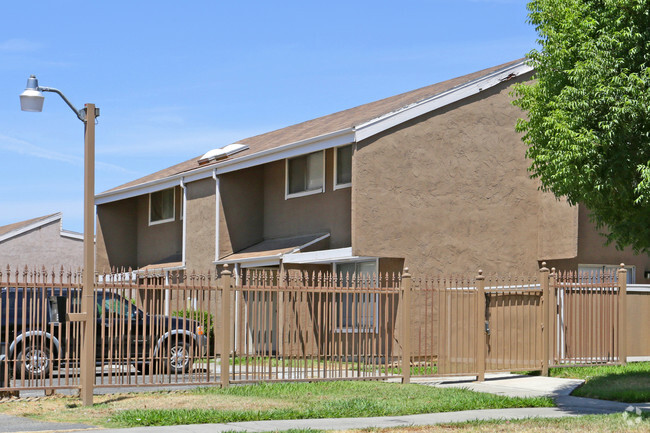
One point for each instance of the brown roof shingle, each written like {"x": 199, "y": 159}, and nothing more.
{"x": 326, "y": 124}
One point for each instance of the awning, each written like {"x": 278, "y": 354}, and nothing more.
{"x": 339, "y": 255}
{"x": 157, "y": 267}
{"x": 270, "y": 251}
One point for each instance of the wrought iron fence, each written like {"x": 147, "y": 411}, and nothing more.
{"x": 171, "y": 328}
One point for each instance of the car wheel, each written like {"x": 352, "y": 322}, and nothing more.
{"x": 180, "y": 358}
{"x": 36, "y": 361}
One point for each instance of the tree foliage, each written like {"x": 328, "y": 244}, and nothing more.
{"x": 588, "y": 111}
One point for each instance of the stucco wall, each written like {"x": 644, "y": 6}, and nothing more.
{"x": 592, "y": 251}
{"x": 558, "y": 228}
{"x": 327, "y": 212}
{"x": 40, "y": 247}
{"x": 242, "y": 207}
{"x": 158, "y": 242}
{"x": 450, "y": 192}
{"x": 117, "y": 235}
{"x": 200, "y": 235}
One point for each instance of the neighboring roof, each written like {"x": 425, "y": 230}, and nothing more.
{"x": 273, "y": 248}
{"x": 12, "y": 230}
{"x": 351, "y": 120}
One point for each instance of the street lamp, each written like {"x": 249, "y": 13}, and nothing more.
{"x": 32, "y": 100}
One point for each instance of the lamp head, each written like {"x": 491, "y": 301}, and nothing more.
{"x": 32, "y": 98}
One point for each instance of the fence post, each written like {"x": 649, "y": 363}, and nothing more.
{"x": 546, "y": 314}
{"x": 552, "y": 317}
{"x": 226, "y": 287}
{"x": 406, "y": 326}
{"x": 622, "y": 314}
{"x": 481, "y": 339}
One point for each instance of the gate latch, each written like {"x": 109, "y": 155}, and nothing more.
{"x": 487, "y": 327}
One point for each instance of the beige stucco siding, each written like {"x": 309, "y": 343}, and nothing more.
{"x": 327, "y": 212}
{"x": 592, "y": 251}
{"x": 242, "y": 209}
{"x": 200, "y": 233}
{"x": 117, "y": 235}
{"x": 158, "y": 242}
{"x": 43, "y": 246}
{"x": 557, "y": 228}
{"x": 450, "y": 192}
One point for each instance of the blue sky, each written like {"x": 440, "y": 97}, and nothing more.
{"x": 176, "y": 79}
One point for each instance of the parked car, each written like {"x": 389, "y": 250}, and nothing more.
{"x": 32, "y": 343}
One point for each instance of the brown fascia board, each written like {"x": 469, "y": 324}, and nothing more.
{"x": 324, "y": 125}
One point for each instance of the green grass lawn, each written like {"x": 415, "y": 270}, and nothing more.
{"x": 323, "y": 400}
{"x": 627, "y": 383}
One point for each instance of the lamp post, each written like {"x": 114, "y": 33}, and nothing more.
{"x": 32, "y": 100}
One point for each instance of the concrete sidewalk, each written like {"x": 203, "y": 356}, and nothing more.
{"x": 501, "y": 384}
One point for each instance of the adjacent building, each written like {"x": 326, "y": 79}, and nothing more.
{"x": 40, "y": 243}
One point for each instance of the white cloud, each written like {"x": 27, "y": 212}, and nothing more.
{"x": 22, "y": 147}
{"x": 19, "y": 45}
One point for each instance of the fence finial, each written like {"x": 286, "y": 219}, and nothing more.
{"x": 543, "y": 268}
{"x": 226, "y": 270}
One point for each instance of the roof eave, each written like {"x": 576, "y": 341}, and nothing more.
{"x": 29, "y": 227}
{"x": 313, "y": 144}
{"x": 389, "y": 120}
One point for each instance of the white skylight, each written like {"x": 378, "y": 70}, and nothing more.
{"x": 222, "y": 152}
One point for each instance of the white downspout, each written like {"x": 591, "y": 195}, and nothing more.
{"x": 184, "y": 210}
{"x": 217, "y": 214}
{"x": 237, "y": 302}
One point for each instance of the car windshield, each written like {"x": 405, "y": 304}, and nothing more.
{"x": 114, "y": 305}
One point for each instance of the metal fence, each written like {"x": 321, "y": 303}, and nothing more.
{"x": 307, "y": 327}
{"x": 165, "y": 329}
{"x": 35, "y": 352}
{"x": 588, "y": 327}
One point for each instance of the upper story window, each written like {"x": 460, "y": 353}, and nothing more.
{"x": 161, "y": 206}
{"x": 305, "y": 174}
{"x": 343, "y": 167}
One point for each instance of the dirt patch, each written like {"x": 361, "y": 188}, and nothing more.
{"x": 69, "y": 409}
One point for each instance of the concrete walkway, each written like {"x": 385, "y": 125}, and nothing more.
{"x": 501, "y": 384}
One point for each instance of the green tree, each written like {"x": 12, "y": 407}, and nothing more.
{"x": 588, "y": 111}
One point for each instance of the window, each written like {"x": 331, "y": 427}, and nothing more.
{"x": 161, "y": 206}
{"x": 343, "y": 167}
{"x": 595, "y": 271}
{"x": 305, "y": 175}
{"x": 357, "y": 311}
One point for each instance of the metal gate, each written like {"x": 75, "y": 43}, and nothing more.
{"x": 469, "y": 326}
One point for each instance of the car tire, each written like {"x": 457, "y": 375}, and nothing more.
{"x": 36, "y": 361}
{"x": 180, "y": 358}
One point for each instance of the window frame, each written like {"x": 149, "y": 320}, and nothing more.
{"x": 336, "y": 155}
{"x": 173, "y": 217}
{"x": 287, "y": 194}
{"x": 371, "y": 298}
